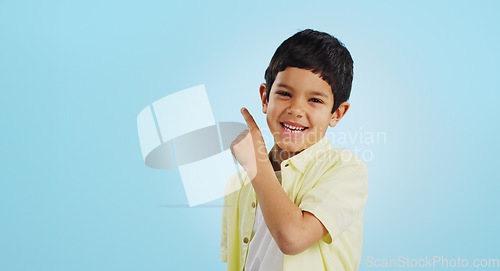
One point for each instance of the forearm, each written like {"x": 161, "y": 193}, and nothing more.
{"x": 283, "y": 218}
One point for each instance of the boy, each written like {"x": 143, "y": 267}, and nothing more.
{"x": 301, "y": 206}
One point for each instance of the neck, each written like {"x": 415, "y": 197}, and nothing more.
{"x": 278, "y": 155}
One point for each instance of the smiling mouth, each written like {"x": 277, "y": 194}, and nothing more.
{"x": 292, "y": 129}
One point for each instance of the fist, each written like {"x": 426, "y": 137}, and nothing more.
{"x": 243, "y": 150}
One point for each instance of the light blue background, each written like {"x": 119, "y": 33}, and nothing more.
{"x": 75, "y": 193}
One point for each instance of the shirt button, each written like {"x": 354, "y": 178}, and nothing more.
{"x": 286, "y": 165}
{"x": 245, "y": 240}
{"x": 253, "y": 204}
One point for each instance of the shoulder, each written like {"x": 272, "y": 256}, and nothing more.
{"x": 346, "y": 157}
{"x": 325, "y": 156}
{"x": 343, "y": 162}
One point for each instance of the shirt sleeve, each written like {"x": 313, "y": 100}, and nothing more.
{"x": 233, "y": 185}
{"x": 339, "y": 196}
{"x": 223, "y": 237}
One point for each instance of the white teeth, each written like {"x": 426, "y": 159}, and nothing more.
{"x": 293, "y": 129}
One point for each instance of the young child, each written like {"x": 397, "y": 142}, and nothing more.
{"x": 301, "y": 206}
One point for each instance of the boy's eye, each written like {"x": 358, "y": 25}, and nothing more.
{"x": 284, "y": 93}
{"x": 314, "y": 100}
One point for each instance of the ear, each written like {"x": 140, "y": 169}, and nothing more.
{"x": 339, "y": 113}
{"x": 263, "y": 97}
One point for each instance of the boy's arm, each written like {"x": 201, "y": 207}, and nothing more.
{"x": 293, "y": 230}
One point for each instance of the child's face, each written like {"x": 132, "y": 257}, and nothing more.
{"x": 299, "y": 109}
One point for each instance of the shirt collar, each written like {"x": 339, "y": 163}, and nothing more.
{"x": 302, "y": 160}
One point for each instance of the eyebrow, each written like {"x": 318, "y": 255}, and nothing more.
{"x": 315, "y": 93}
{"x": 285, "y": 86}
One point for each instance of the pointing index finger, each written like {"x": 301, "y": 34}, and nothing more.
{"x": 249, "y": 119}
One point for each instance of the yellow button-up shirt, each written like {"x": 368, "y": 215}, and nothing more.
{"x": 330, "y": 183}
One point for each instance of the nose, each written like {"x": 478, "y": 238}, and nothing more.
{"x": 296, "y": 108}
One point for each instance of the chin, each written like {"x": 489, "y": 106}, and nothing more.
{"x": 290, "y": 147}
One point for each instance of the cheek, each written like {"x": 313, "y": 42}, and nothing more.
{"x": 321, "y": 122}
{"x": 271, "y": 121}
{"x": 274, "y": 110}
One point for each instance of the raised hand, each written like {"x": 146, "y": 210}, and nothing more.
{"x": 249, "y": 148}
